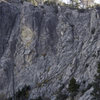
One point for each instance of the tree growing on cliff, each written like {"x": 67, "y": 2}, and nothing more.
{"x": 35, "y": 2}
{"x": 74, "y": 3}
{"x": 96, "y": 85}
{"x": 39, "y": 2}
{"x": 73, "y": 87}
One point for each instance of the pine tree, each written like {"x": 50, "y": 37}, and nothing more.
{"x": 73, "y": 87}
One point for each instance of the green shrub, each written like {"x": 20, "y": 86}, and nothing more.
{"x": 50, "y": 3}
{"x": 73, "y": 88}
{"x": 22, "y": 94}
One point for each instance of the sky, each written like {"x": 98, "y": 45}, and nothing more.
{"x": 96, "y": 1}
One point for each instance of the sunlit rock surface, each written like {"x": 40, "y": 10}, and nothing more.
{"x": 45, "y": 47}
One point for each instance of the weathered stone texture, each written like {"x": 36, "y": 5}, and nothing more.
{"x": 46, "y": 47}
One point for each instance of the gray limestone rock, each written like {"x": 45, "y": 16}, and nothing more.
{"x": 44, "y": 47}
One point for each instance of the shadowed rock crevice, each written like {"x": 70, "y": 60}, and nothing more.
{"x": 7, "y": 22}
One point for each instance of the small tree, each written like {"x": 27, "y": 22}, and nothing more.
{"x": 35, "y": 2}
{"x": 73, "y": 87}
{"x": 74, "y": 3}
{"x": 96, "y": 85}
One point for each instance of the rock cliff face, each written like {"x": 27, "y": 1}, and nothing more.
{"x": 45, "y": 46}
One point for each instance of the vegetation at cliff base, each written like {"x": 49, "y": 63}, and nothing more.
{"x": 22, "y": 94}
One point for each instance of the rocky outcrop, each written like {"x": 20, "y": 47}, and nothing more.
{"x": 45, "y": 46}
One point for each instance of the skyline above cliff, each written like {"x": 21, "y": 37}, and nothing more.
{"x": 68, "y": 1}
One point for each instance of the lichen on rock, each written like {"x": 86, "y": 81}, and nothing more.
{"x": 26, "y": 36}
